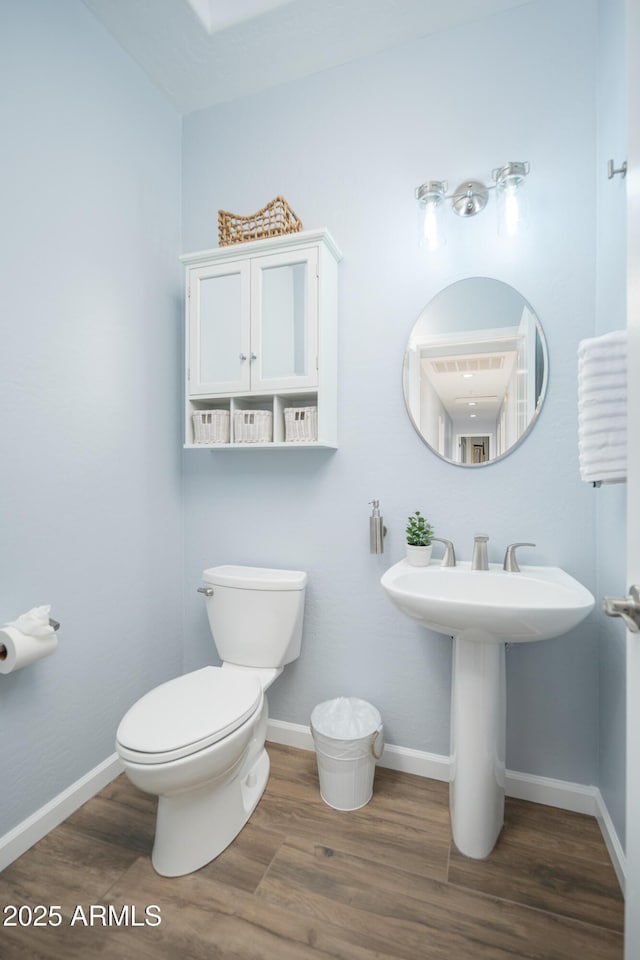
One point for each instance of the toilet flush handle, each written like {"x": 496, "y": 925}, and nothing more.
{"x": 208, "y": 591}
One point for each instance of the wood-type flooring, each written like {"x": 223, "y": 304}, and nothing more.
{"x": 303, "y": 882}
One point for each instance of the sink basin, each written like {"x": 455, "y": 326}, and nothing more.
{"x": 489, "y": 605}
{"x": 483, "y": 610}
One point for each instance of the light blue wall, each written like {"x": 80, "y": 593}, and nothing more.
{"x": 347, "y": 147}
{"x": 90, "y": 314}
{"x": 91, "y": 490}
{"x": 610, "y": 501}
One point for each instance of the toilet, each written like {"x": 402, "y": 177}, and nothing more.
{"x": 198, "y": 742}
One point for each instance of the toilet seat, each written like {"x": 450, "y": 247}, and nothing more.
{"x": 187, "y": 714}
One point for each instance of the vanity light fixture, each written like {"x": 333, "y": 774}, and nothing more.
{"x": 430, "y": 196}
{"x": 510, "y": 197}
{"x": 470, "y": 198}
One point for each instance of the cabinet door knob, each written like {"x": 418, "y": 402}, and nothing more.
{"x": 243, "y": 356}
{"x": 254, "y": 356}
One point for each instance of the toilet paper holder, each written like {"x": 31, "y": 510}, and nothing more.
{"x": 3, "y": 649}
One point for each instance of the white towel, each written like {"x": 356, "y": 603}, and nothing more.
{"x": 609, "y": 363}
{"x": 602, "y": 440}
{"x": 592, "y": 459}
{"x": 606, "y": 382}
{"x": 609, "y": 345}
{"x": 602, "y": 408}
{"x": 608, "y": 410}
{"x": 609, "y": 426}
{"x": 590, "y": 422}
{"x": 614, "y": 394}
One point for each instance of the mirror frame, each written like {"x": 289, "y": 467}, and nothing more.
{"x": 539, "y": 402}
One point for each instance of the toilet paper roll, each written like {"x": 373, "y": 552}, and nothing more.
{"x": 18, "y": 649}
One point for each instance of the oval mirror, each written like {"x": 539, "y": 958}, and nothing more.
{"x": 475, "y": 371}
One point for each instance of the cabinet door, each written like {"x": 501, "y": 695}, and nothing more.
{"x": 219, "y": 328}
{"x": 284, "y": 320}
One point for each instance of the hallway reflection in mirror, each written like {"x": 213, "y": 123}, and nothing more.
{"x": 475, "y": 371}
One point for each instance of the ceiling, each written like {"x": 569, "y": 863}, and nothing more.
{"x": 203, "y": 52}
{"x": 471, "y": 371}
{"x": 479, "y": 396}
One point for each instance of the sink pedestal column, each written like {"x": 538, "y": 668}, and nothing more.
{"x": 478, "y": 729}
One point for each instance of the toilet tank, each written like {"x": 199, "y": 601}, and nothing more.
{"x": 255, "y": 614}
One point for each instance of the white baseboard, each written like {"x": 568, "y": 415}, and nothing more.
{"x": 40, "y": 823}
{"x": 552, "y": 793}
{"x": 617, "y": 854}
{"x": 522, "y": 786}
{"x": 290, "y": 734}
{"x": 404, "y": 759}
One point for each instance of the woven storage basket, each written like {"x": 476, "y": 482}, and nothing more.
{"x": 273, "y": 220}
{"x": 211, "y": 426}
{"x": 300, "y": 423}
{"x": 253, "y": 426}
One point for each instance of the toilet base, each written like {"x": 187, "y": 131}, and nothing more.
{"x": 193, "y": 827}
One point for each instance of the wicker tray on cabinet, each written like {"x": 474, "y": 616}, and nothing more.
{"x": 274, "y": 220}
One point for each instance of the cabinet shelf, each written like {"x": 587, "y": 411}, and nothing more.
{"x": 272, "y": 445}
{"x": 275, "y": 404}
{"x": 262, "y": 339}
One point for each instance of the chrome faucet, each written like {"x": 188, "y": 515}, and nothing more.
{"x": 449, "y": 556}
{"x": 480, "y": 559}
{"x": 510, "y": 562}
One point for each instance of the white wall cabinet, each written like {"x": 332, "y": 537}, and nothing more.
{"x": 262, "y": 336}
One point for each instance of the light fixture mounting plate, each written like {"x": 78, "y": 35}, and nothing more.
{"x": 470, "y": 198}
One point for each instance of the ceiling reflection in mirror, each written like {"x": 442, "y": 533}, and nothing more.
{"x": 475, "y": 371}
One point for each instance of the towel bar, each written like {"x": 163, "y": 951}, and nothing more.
{"x": 598, "y": 483}
{"x": 612, "y": 171}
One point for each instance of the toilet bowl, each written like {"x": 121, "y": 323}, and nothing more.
{"x": 197, "y": 742}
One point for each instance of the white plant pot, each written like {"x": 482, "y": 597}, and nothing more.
{"x": 419, "y": 556}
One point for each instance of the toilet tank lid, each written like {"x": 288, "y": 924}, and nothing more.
{"x": 255, "y": 578}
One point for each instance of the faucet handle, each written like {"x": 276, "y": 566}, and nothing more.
{"x": 449, "y": 556}
{"x": 510, "y": 563}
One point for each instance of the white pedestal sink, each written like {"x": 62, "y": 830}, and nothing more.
{"x": 483, "y": 610}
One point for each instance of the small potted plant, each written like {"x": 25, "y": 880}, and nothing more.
{"x": 419, "y": 540}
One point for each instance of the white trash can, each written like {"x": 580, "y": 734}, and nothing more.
{"x": 348, "y": 736}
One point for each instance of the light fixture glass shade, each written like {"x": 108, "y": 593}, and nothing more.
{"x": 511, "y": 197}
{"x": 430, "y": 197}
